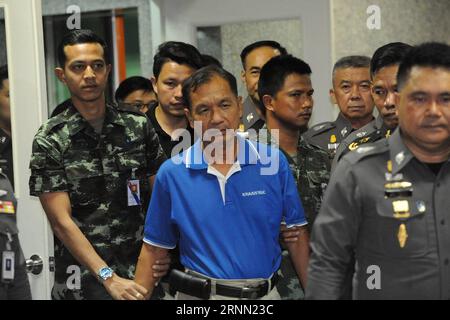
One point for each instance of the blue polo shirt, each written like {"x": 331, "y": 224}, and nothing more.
{"x": 231, "y": 233}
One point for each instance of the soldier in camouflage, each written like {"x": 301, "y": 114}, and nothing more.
{"x": 285, "y": 89}
{"x": 91, "y": 167}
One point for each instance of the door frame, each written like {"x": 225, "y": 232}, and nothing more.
{"x": 28, "y": 98}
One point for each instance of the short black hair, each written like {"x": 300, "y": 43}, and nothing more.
{"x": 351, "y": 62}
{"x": 203, "y": 76}
{"x": 3, "y": 75}
{"x": 130, "y": 85}
{"x": 259, "y": 44}
{"x": 179, "y": 52}
{"x": 78, "y": 37}
{"x": 274, "y": 74}
{"x": 388, "y": 55}
{"x": 432, "y": 55}
{"x": 210, "y": 60}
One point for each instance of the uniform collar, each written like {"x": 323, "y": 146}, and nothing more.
{"x": 379, "y": 123}
{"x": 76, "y": 123}
{"x": 343, "y": 125}
{"x": 250, "y": 113}
{"x": 400, "y": 155}
{"x": 264, "y": 136}
{"x": 247, "y": 154}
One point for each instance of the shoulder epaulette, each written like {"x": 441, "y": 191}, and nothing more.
{"x": 319, "y": 128}
{"x": 127, "y": 110}
{"x": 53, "y": 123}
{"x": 367, "y": 150}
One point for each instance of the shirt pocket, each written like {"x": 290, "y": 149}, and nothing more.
{"x": 405, "y": 237}
{"x": 85, "y": 178}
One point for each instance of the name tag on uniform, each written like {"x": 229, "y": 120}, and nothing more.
{"x": 7, "y": 207}
{"x": 134, "y": 193}
{"x": 8, "y": 266}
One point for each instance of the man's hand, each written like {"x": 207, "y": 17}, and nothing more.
{"x": 160, "y": 268}
{"x": 289, "y": 235}
{"x": 124, "y": 289}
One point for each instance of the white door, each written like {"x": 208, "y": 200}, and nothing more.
{"x": 26, "y": 64}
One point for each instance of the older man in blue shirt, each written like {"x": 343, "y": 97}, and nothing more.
{"x": 222, "y": 202}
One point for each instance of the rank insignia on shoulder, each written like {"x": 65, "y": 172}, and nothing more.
{"x": 3, "y": 193}
{"x": 353, "y": 146}
{"x": 365, "y": 149}
{"x": 361, "y": 134}
{"x": 7, "y": 207}
{"x": 319, "y": 127}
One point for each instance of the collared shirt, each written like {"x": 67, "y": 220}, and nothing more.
{"x": 389, "y": 212}
{"x": 371, "y": 132}
{"x": 6, "y": 156}
{"x": 165, "y": 139}
{"x": 328, "y": 135}
{"x": 250, "y": 115}
{"x": 232, "y": 239}
{"x": 94, "y": 169}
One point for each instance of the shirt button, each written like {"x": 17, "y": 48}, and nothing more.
{"x": 442, "y": 222}
{"x": 446, "y": 262}
{"x": 438, "y": 185}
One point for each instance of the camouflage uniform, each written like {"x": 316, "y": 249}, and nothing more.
{"x": 311, "y": 170}
{"x": 68, "y": 156}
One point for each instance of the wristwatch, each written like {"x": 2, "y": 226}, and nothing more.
{"x": 105, "y": 273}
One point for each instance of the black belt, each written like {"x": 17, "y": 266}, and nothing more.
{"x": 247, "y": 292}
{"x": 201, "y": 288}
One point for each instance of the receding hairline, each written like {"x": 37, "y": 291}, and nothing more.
{"x": 278, "y": 52}
{"x": 346, "y": 68}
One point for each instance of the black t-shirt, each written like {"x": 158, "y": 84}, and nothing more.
{"x": 164, "y": 139}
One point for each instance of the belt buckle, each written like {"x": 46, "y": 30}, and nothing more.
{"x": 249, "y": 292}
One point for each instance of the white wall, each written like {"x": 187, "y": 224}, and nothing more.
{"x": 180, "y": 17}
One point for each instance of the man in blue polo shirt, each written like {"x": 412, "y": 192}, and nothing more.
{"x": 222, "y": 202}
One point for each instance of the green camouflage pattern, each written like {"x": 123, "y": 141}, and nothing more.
{"x": 311, "y": 170}
{"x": 68, "y": 156}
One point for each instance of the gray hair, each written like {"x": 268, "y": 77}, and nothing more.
{"x": 351, "y": 62}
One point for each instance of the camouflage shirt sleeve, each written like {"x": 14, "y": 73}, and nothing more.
{"x": 47, "y": 170}
{"x": 155, "y": 154}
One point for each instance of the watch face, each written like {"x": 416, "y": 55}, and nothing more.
{"x": 105, "y": 273}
